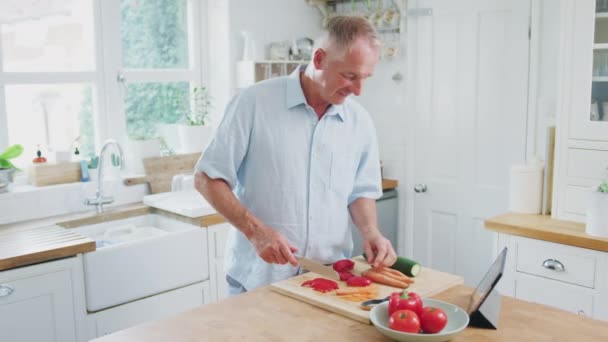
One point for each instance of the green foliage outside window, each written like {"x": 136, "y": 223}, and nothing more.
{"x": 154, "y": 36}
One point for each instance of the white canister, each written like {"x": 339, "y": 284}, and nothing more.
{"x": 597, "y": 214}
{"x": 526, "y": 188}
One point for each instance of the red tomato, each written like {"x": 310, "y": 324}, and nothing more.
{"x": 405, "y": 301}
{"x": 433, "y": 319}
{"x": 405, "y": 321}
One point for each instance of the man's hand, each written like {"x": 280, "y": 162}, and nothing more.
{"x": 273, "y": 247}
{"x": 379, "y": 250}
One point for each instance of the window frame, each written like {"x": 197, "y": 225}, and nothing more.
{"x": 108, "y": 91}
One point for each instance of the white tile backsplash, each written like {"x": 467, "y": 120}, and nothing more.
{"x": 28, "y": 202}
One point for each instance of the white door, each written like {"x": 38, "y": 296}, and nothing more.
{"x": 469, "y": 102}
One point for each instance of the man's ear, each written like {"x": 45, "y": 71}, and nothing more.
{"x": 318, "y": 58}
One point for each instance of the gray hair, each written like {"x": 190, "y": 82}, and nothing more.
{"x": 342, "y": 31}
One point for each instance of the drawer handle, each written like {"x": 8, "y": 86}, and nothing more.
{"x": 6, "y": 290}
{"x": 554, "y": 265}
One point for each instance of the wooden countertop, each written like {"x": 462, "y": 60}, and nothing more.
{"x": 263, "y": 315}
{"x": 20, "y": 247}
{"x": 389, "y": 184}
{"x": 543, "y": 227}
{"x": 47, "y": 239}
{"x": 35, "y": 241}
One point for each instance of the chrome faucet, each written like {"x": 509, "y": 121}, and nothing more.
{"x": 99, "y": 200}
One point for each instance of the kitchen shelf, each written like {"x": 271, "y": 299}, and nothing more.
{"x": 601, "y": 15}
{"x": 600, "y": 79}
{"x": 600, "y": 46}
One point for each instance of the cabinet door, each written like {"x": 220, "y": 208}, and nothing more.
{"x": 218, "y": 235}
{"x": 148, "y": 309}
{"x": 587, "y": 81}
{"x": 560, "y": 295}
{"x": 39, "y": 308}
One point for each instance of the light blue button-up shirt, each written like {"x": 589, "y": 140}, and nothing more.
{"x": 296, "y": 173}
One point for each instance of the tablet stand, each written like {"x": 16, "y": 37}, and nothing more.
{"x": 486, "y": 316}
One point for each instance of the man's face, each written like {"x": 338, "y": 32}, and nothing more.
{"x": 342, "y": 73}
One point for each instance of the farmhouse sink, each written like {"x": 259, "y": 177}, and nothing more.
{"x": 141, "y": 256}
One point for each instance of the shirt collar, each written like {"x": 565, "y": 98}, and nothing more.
{"x": 294, "y": 95}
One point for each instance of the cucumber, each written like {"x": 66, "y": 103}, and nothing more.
{"x": 406, "y": 266}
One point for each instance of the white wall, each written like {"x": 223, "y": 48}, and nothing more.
{"x": 267, "y": 20}
{"x": 27, "y": 202}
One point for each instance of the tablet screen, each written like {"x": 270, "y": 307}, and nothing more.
{"x": 488, "y": 282}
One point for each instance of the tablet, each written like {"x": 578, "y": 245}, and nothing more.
{"x": 488, "y": 282}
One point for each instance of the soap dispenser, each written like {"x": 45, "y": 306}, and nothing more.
{"x": 39, "y": 158}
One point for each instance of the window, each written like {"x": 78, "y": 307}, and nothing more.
{"x": 74, "y": 73}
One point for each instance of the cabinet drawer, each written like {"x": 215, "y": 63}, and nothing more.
{"x": 579, "y": 264}
{"x": 148, "y": 309}
{"x": 576, "y": 198}
{"x": 554, "y": 293}
{"x": 587, "y": 164}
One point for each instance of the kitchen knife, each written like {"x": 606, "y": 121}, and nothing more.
{"x": 320, "y": 269}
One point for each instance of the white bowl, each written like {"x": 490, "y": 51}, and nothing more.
{"x": 457, "y": 321}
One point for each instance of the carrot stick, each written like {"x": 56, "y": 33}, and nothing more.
{"x": 356, "y": 290}
{"x": 394, "y": 274}
{"x": 383, "y": 279}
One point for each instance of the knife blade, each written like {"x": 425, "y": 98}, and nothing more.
{"x": 320, "y": 269}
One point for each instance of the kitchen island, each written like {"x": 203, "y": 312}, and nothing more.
{"x": 264, "y": 315}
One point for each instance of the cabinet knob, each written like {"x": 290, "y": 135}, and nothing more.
{"x": 554, "y": 265}
{"x": 420, "y": 188}
{"x": 6, "y": 290}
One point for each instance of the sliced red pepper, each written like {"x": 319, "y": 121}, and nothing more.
{"x": 358, "y": 281}
{"x": 321, "y": 284}
{"x": 344, "y": 265}
{"x": 345, "y": 275}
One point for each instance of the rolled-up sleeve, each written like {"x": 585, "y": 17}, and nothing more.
{"x": 368, "y": 181}
{"x": 228, "y": 148}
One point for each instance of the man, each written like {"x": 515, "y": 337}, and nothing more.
{"x": 292, "y": 156}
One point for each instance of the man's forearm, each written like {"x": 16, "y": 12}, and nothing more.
{"x": 363, "y": 214}
{"x": 218, "y": 193}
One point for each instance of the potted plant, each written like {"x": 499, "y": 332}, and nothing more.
{"x": 597, "y": 211}
{"x": 193, "y": 132}
{"x": 7, "y": 168}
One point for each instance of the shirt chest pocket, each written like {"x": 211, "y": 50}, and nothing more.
{"x": 343, "y": 169}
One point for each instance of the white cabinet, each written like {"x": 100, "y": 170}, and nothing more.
{"x": 148, "y": 309}
{"x": 217, "y": 237}
{"x": 43, "y": 302}
{"x": 582, "y": 112}
{"x": 565, "y": 277}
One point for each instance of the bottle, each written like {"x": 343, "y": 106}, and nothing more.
{"x": 39, "y": 158}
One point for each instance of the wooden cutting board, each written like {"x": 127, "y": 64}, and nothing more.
{"x": 160, "y": 171}
{"x": 428, "y": 283}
